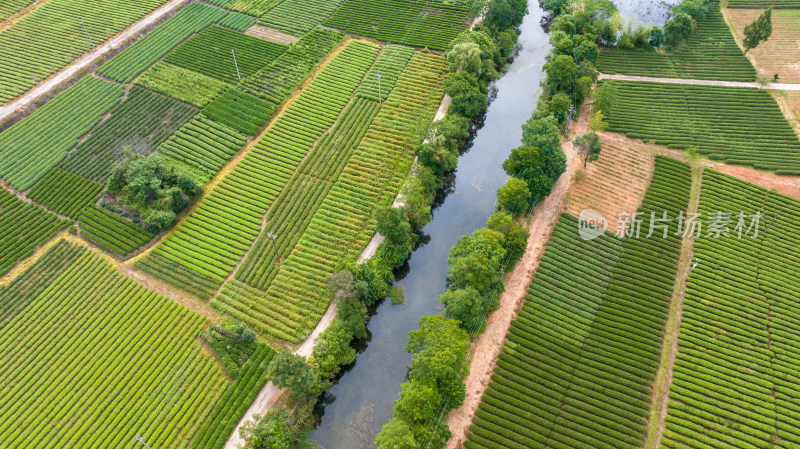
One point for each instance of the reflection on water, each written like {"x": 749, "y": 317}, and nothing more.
{"x": 644, "y": 12}
{"x": 362, "y": 400}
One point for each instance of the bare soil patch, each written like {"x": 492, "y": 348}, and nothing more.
{"x": 271, "y": 34}
{"x": 781, "y": 52}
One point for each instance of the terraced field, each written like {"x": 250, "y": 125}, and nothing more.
{"x": 736, "y": 125}
{"x": 50, "y": 37}
{"x": 710, "y": 53}
{"x": 217, "y": 234}
{"x": 411, "y": 22}
{"x": 579, "y": 361}
{"x": 734, "y": 380}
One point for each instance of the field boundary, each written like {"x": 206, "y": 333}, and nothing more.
{"x": 655, "y": 79}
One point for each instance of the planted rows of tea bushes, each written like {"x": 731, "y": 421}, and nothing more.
{"x": 182, "y": 84}
{"x": 105, "y": 358}
{"x": 217, "y": 233}
{"x": 112, "y": 232}
{"x": 33, "y": 146}
{"x": 137, "y": 125}
{"x": 11, "y": 7}
{"x": 298, "y": 17}
{"x": 710, "y": 53}
{"x": 64, "y": 192}
{"x": 764, "y": 4}
{"x": 23, "y": 227}
{"x": 47, "y": 39}
{"x": 736, "y": 125}
{"x": 135, "y": 59}
{"x": 242, "y": 112}
{"x": 734, "y": 380}
{"x": 389, "y": 66}
{"x": 238, "y": 21}
{"x": 580, "y": 360}
{"x": 411, "y": 22}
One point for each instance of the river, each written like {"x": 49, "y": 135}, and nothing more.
{"x": 365, "y": 394}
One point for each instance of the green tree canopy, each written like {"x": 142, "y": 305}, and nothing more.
{"x": 589, "y": 146}
{"x": 465, "y": 305}
{"x": 287, "y": 370}
{"x": 396, "y": 434}
{"x": 469, "y": 99}
{"x": 678, "y": 28}
{"x": 514, "y": 196}
{"x": 393, "y": 224}
{"x": 758, "y": 31}
{"x": 268, "y": 432}
{"x": 561, "y": 72}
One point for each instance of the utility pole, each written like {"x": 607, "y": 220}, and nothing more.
{"x": 141, "y": 440}
{"x": 236, "y": 63}
{"x": 273, "y": 237}
{"x": 380, "y": 100}
{"x": 87, "y": 35}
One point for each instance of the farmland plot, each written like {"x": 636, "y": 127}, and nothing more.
{"x": 11, "y": 7}
{"x": 342, "y": 224}
{"x": 217, "y": 233}
{"x": 252, "y": 7}
{"x": 780, "y": 54}
{"x": 410, "y": 22}
{"x": 137, "y": 125}
{"x": 734, "y": 380}
{"x": 242, "y": 112}
{"x": 65, "y": 193}
{"x": 580, "y": 359}
{"x": 298, "y": 17}
{"x": 210, "y": 52}
{"x": 736, "y": 125}
{"x": 710, "y": 53}
{"x": 390, "y": 65}
{"x": 135, "y": 59}
{"x": 237, "y": 21}
{"x": 101, "y": 359}
{"x": 50, "y": 37}
{"x": 23, "y": 227}
{"x": 763, "y": 4}
{"x": 33, "y": 146}
{"x": 112, "y": 232}
{"x": 182, "y": 84}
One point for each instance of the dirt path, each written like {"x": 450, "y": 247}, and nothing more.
{"x": 87, "y": 60}
{"x": 490, "y": 343}
{"x": 771, "y": 86}
{"x": 669, "y": 349}
{"x": 271, "y": 34}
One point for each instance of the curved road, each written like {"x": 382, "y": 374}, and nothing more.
{"x": 87, "y": 60}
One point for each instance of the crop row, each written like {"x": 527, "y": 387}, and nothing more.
{"x": 242, "y": 112}
{"x": 298, "y": 17}
{"x": 764, "y": 4}
{"x": 389, "y": 66}
{"x": 203, "y": 146}
{"x": 737, "y": 125}
{"x": 342, "y": 225}
{"x": 232, "y": 405}
{"x": 23, "y": 227}
{"x": 106, "y": 359}
{"x": 138, "y": 125}
{"x": 304, "y": 193}
{"x": 33, "y": 146}
{"x": 734, "y": 377}
{"x": 65, "y": 193}
{"x": 580, "y": 358}
{"x": 112, "y": 232}
{"x": 411, "y": 22}
{"x": 215, "y": 236}
{"x": 45, "y": 40}
{"x": 224, "y": 54}
{"x": 238, "y": 21}
{"x": 182, "y": 84}
{"x": 283, "y": 76}
{"x": 710, "y": 53}
{"x": 132, "y": 61}
{"x": 252, "y": 7}
{"x": 11, "y": 7}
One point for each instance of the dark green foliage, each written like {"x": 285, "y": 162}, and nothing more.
{"x": 393, "y": 224}
{"x": 515, "y": 237}
{"x": 561, "y": 72}
{"x": 234, "y": 343}
{"x": 469, "y": 96}
{"x": 391, "y": 21}
{"x": 287, "y": 370}
{"x": 589, "y": 146}
{"x": 475, "y": 261}
{"x": 678, "y": 29}
{"x": 210, "y": 53}
{"x": 136, "y": 126}
{"x": 242, "y": 112}
{"x": 514, "y": 196}
{"x": 65, "y": 193}
{"x": 758, "y": 31}
{"x": 271, "y": 431}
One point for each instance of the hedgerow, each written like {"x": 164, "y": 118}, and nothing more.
{"x": 60, "y": 122}
{"x": 135, "y": 59}
{"x": 139, "y": 124}
{"x": 736, "y": 125}
{"x": 211, "y": 52}
{"x": 410, "y": 22}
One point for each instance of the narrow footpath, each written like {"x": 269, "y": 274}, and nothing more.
{"x": 655, "y": 79}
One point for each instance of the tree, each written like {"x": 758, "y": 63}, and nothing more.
{"x": 438, "y": 158}
{"x": 583, "y": 88}
{"x": 558, "y": 7}
{"x": 597, "y": 121}
{"x": 465, "y": 305}
{"x": 159, "y": 220}
{"x": 678, "y": 28}
{"x": 465, "y": 56}
{"x": 468, "y": 96}
{"x": 393, "y": 224}
{"x": 515, "y": 236}
{"x": 763, "y": 80}
{"x": 561, "y": 72}
{"x": 514, "y": 196}
{"x": 589, "y": 146}
{"x": 340, "y": 284}
{"x": 559, "y": 106}
{"x": 417, "y": 402}
{"x": 268, "y": 432}
{"x": 475, "y": 261}
{"x": 287, "y": 370}
{"x": 544, "y": 134}
{"x": 656, "y": 37}
{"x": 587, "y": 51}
{"x": 758, "y": 31}
{"x": 605, "y": 96}
{"x": 332, "y": 349}
{"x": 395, "y": 434}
